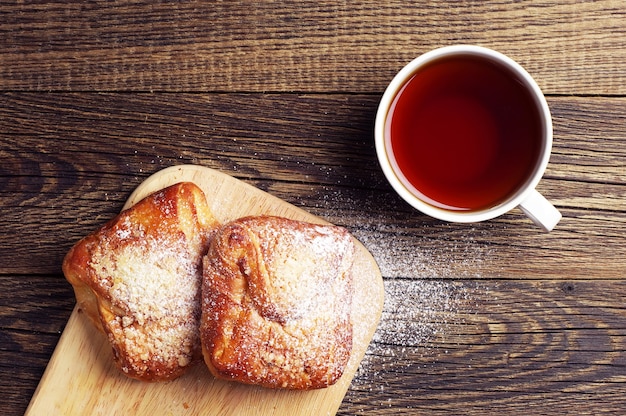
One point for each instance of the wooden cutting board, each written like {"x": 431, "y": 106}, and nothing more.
{"x": 82, "y": 379}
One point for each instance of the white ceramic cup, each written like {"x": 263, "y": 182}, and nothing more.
{"x": 525, "y": 196}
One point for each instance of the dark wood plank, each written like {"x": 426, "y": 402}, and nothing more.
{"x": 479, "y": 319}
{"x": 37, "y": 304}
{"x": 22, "y": 370}
{"x": 69, "y": 161}
{"x": 459, "y": 346}
{"x": 484, "y": 347}
{"x": 571, "y": 47}
{"x": 33, "y": 312}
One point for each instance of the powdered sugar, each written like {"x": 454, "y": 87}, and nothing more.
{"x": 427, "y": 295}
{"x": 295, "y": 301}
{"x": 401, "y": 256}
{"x": 148, "y": 276}
{"x": 147, "y": 267}
{"x": 154, "y": 285}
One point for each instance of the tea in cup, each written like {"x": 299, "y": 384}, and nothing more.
{"x": 464, "y": 134}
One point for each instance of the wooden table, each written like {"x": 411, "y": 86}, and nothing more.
{"x": 495, "y": 317}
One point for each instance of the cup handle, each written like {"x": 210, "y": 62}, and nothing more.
{"x": 540, "y": 211}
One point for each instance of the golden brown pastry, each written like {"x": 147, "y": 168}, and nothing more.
{"x": 276, "y": 303}
{"x": 138, "y": 279}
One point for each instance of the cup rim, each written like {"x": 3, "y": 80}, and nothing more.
{"x": 384, "y": 156}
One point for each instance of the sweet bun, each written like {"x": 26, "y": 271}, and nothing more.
{"x": 276, "y": 303}
{"x": 138, "y": 279}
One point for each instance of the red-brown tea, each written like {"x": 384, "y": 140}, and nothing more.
{"x": 465, "y": 132}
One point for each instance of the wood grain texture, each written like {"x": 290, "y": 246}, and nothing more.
{"x": 570, "y": 47}
{"x": 82, "y": 362}
{"x": 490, "y": 318}
{"x": 33, "y": 312}
{"x": 93, "y": 149}
{"x": 457, "y": 346}
{"x": 511, "y": 347}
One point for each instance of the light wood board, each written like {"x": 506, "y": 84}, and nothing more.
{"x": 82, "y": 379}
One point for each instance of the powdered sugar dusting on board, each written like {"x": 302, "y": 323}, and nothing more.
{"x": 419, "y": 326}
{"x": 398, "y": 255}
{"x": 427, "y": 294}
{"x": 422, "y": 310}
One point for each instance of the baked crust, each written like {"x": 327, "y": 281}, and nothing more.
{"x": 138, "y": 279}
{"x": 276, "y": 303}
